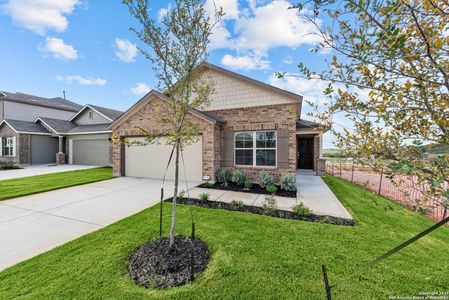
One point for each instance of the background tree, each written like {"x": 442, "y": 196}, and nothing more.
{"x": 390, "y": 77}
{"x": 177, "y": 45}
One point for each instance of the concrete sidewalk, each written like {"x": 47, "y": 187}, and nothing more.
{"x": 40, "y": 170}
{"x": 35, "y": 224}
{"x": 314, "y": 192}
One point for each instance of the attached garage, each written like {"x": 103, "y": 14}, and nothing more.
{"x": 90, "y": 151}
{"x": 43, "y": 149}
{"x": 150, "y": 161}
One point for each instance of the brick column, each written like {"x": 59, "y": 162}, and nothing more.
{"x": 321, "y": 167}
{"x": 60, "y": 158}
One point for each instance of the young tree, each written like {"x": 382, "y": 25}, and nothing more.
{"x": 397, "y": 51}
{"x": 177, "y": 45}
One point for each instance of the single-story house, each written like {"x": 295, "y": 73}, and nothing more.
{"x": 48, "y": 131}
{"x": 249, "y": 125}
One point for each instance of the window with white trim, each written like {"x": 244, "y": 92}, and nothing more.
{"x": 255, "y": 148}
{"x": 8, "y": 146}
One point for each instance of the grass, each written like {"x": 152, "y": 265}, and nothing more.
{"x": 252, "y": 256}
{"x": 12, "y": 188}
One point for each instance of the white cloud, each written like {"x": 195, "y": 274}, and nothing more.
{"x": 40, "y": 15}
{"x": 140, "y": 89}
{"x": 311, "y": 90}
{"x": 162, "y": 13}
{"x": 82, "y": 80}
{"x": 264, "y": 27}
{"x": 230, "y": 8}
{"x": 126, "y": 51}
{"x": 59, "y": 49}
{"x": 288, "y": 60}
{"x": 246, "y": 62}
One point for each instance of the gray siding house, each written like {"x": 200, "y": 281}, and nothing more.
{"x": 36, "y": 130}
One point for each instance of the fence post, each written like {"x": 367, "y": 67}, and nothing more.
{"x": 380, "y": 183}
{"x": 352, "y": 175}
{"x": 332, "y": 167}
{"x": 340, "y": 169}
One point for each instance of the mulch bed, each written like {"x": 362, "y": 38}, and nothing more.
{"x": 153, "y": 266}
{"x": 284, "y": 214}
{"x": 256, "y": 189}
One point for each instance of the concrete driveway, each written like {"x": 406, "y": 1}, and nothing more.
{"x": 40, "y": 170}
{"x": 35, "y": 224}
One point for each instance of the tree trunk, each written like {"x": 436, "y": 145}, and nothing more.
{"x": 175, "y": 197}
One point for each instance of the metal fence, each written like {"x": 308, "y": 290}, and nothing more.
{"x": 403, "y": 189}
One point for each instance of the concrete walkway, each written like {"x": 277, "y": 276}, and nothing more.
{"x": 35, "y": 224}
{"x": 40, "y": 170}
{"x": 314, "y": 192}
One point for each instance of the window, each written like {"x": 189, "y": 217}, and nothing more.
{"x": 91, "y": 115}
{"x": 8, "y": 146}
{"x": 255, "y": 148}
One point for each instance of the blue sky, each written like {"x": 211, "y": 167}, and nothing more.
{"x": 86, "y": 48}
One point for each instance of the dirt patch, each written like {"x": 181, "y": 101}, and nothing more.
{"x": 154, "y": 266}
{"x": 284, "y": 214}
{"x": 256, "y": 189}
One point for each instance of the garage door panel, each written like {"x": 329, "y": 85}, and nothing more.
{"x": 91, "y": 152}
{"x": 150, "y": 161}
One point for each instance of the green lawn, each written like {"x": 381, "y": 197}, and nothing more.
{"x": 253, "y": 256}
{"x": 12, "y": 188}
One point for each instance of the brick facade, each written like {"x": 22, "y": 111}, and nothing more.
{"x": 243, "y": 119}
{"x": 23, "y": 142}
{"x": 270, "y": 117}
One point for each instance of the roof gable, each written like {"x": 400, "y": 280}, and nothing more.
{"x": 233, "y": 90}
{"x": 107, "y": 115}
{"x": 25, "y": 127}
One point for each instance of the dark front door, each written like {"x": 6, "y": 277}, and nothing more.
{"x": 305, "y": 153}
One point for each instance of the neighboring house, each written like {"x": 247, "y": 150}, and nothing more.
{"x": 249, "y": 125}
{"x": 36, "y": 130}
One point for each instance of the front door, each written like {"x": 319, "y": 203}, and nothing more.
{"x": 305, "y": 153}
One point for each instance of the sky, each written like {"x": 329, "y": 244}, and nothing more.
{"x": 86, "y": 48}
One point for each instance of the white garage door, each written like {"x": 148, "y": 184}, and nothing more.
{"x": 150, "y": 161}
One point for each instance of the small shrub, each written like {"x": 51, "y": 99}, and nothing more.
{"x": 237, "y": 203}
{"x": 271, "y": 188}
{"x": 239, "y": 177}
{"x": 204, "y": 196}
{"x": 181, "y": 194}
{"x": 265, "y": 179}
{"x": 288, "y": 183}
{"x": 248, "y": 185}
{"x": 223, "y": 176}
{"x": 270, "y": 205}
{"x": 207, "y": 185}
{"x": 301, "y": 210}
{"x": 9, "y": 166}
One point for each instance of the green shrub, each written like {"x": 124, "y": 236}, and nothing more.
{"x": 207, "y": 184}
{"x": 181, "y": 194}
{"x": 237, "y": 203}
{"x": 248, "y": 185}
{"x": 223, "y": 176}
{"x": 301, "y": 210}
{"x": 270, "y": 205}
{"x": 271, "y": 188}
{"x": 9, "y": 166}
{"x": 288, "y": 183}
{"x": 239, "y": 177}
{"x": 265, "y": 179}
{"x": 204, "y": 196}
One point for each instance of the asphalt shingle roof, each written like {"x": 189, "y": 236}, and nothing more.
{"x": 89, "y": 128}
{"x": 306, "y": 124}
{"x": 60, "y": 126}
{"x": 26, "y": 127}
{"x": 58, "y": 103}
{"x": 110, "y": 113}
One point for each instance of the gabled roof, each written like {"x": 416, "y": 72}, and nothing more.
{"x": 206, "y": 65}
{"x": 110, "y": 114}
{"x": 210, "y": 117}
{"x": 25, "y": 127}
{"x": 57, "y": 126}
{"x": 85, "y": 129}
{"x": 56, "y": 103}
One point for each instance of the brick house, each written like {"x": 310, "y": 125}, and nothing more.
{"x": 249, "y": 125}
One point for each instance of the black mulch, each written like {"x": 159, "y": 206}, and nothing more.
{"x": 284, "y": 214}
{"x": 153, "y": 266}
{"x": 256, "y": 189}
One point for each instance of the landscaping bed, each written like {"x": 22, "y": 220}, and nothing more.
{"x": 153, "y": 265}
{"x": 255, "y": 189}
{"x": 278, "y": 213}
{"x": 9, "y": 166}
